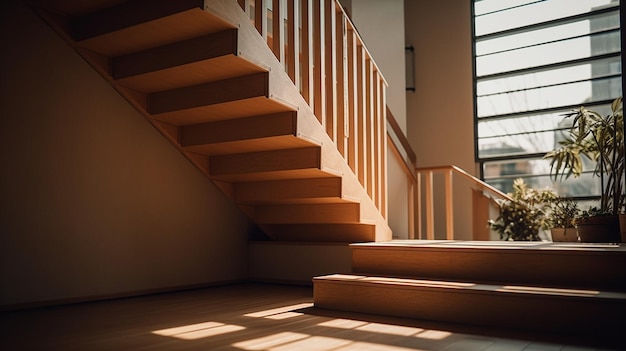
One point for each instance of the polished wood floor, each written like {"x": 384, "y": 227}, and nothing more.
{"x": 249, "y": 317}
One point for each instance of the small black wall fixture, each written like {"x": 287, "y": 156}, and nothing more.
{"x": 409, "y": 61}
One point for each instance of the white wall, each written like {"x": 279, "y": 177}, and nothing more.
{"x": 95, "y": 202}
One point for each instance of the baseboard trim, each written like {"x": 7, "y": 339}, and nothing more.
{"x": 122, "y": 295}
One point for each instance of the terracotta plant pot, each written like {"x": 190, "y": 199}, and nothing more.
{"x": 600, "y": 229}
{"x": 564, "y": 235}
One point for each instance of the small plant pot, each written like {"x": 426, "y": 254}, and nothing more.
{"x": 600, "y": 229}
{"x": 622, "y": 227}
{"x": 564, "y": 235}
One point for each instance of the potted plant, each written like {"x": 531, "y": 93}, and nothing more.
{"x": 601, "y": 140}
{"x": 522, "y": 217}
{"x": 562, "y": 217}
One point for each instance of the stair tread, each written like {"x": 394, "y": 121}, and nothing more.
{"x": 223, "y": 67}
{"x": 466, "y": 287}
{"x": 142, "y": 30}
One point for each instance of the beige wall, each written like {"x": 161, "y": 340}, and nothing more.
{"x": 440, "y": 112}
{"x": 297, "y": 263}
{"x": 381, "y": 25}
{"x": 94, "y": 200}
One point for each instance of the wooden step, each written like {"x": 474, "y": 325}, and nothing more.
{"x": 307, "y": 213}
{"x": 293, "y": 191}
{"x": 211, "y": 57}
{"x": 600, "y": 314}
{"x": 228, "y": 90}
{"x": 572, "y": 265}
{"x": 139, "y": 25}
{"x": 266, "y": 165}
{"x": 202, "y": 48}
{"x": 321, "y": 232}
{"x": 242, "y": 135}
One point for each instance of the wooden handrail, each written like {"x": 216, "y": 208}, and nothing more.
{"x": 401, "y": 137}
{"x": 325, "y": 57}
{"x": 481, "y": 185}
{"x": 427, "y": 173}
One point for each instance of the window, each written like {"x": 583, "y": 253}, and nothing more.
{"x": 534, "y": 61}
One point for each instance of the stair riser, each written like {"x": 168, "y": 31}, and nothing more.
{"x": 315, "y": 213}
{"x": 209, "y": 94}
{"x": 327, "y": 232}
{"x": 322, "y": 189}
{"x": 283, "y": 124}
{"x": 270, "y": 161}
{"x": 532, "y": 312}
{"x": 189, "y": 51}
{"x": 559, "y": 268}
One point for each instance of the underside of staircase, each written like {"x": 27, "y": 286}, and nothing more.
{"x": 203, "y": 76}
{"x": 567, "y": 291}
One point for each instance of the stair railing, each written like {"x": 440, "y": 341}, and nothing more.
{"x": 323, "y": 54}
{"x": 483, "y": 199}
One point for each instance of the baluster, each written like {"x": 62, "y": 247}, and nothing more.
{"x": 319, "y": 69}
{"x": 330, "y": 64}
{"x": 430, "y": 211}
{"x": 260, "y": 18}
{"x": 342, "y": 77}
{"x": 361, "y": 116}
{"x": 449, "y": 206}
{"x": 369, "y": 116}
{"x": 293, "y": 42}
{"x": 278, "y": 27}
{"x": 306, "y": 10}
{"x": 383, "y": 138}
{"x": 352, "y": 100}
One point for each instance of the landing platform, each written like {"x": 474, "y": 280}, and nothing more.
{"x": 501, "y": 245}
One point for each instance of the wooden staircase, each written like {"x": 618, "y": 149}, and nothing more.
{"x": 205, "y": 78}
{"x": 561, "y": 289}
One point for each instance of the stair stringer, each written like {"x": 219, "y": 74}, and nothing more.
{"x": 253, "y": 48}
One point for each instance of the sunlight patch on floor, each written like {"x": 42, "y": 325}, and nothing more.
{"x": 270, "y": 341}
{"x": 388, "y": 329}
{"x": 281, "y": 312}
{"x": 287, "y": 341}
{"x": 199, "y": 330}
{"x": 549, "y": 291}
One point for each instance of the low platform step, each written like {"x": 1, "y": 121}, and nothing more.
{"x": 565, "y": 265}
{"x": 551, "y": 310}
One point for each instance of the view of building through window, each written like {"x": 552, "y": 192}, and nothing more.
{"x": 534, "y": 61}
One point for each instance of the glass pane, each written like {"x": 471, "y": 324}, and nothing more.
{"x": 517, "y": 144}
{"x": 501, "y": 175}
{"x": 566, "y": 74}
{"x": 482, "y": 7}
{"x": 488, "y": 21}
{"x": 523, "y": 123}
{"x": 546, "y": 54}
{"x": 544, "y": 35}
{"x": 548, "y": 97}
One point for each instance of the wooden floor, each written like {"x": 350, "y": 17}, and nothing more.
{"x": 248, "y": 317}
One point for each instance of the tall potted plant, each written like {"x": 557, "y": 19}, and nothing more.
{"x": 601, "y": 140}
